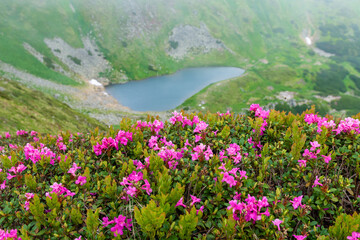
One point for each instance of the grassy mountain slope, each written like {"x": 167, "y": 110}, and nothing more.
{"x": 134, "y": 37}
{"x": 23, "y": 108}
{"x": 252, "y": 30}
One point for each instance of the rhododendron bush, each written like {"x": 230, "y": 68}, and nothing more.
{"x": 263, "y": 175}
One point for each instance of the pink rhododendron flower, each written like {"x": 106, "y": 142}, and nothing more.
{"x": 156, "y": 126}
{"x": 81, "y": 180}
{"x": 9, "y": 176}
{"x": 316, "y": 182}
{"x": 18, "y": 169}
{"x": 296, "y": 202}
{"x": 194, "y": 200}
{"x": 35, "y": 154}
{"x": 199, "y": 210}
{"x": 327, "y": 159}
{"x": 347, "y": 125}
{"x": 277, "y": 223}
{"x": 138, "y": 164}
{"x": 197, "y": 138}
{"x": 309, "y": 154}
{"x": 302, "y": 163}
{"x": 13, "y": 146}
{"x": 61, "y": 146}
{"x": 29, "y": 196}
{"x": 3, "y": 185}
{"x": 229, "y": 179}
{"x": 147, "y": 187}
{"x": 299, "y": 237}
{"x": 237, "y": 158}
{"x": 4, "y": 235}
{"x": 181, "y": 203}
{"x": 254, "y": 107}
{"x": 222, "y": 167}
{"x": 153, "y": 143}
{"x": 73, "y": 169}
{"x": 233, "y": 171}
{"x": 120, "y": 223}
{"x": 26, "y": 206}
{"x": 314, "y": 145}
{"x": 136, "y": 176}
{"x": 354, "y": 236}
{"x": 222, "y": 155}
{"x": 200, "y": 127}
{"x": 7, "y": 135}
{"x": 233, "y": 149}
{"x": 21, "y": 132}
{"x": 251, "y": 208}
{"x": 131, "y": 191}
{"x": 59, "y": 189}
{"x": 243, "y": 174}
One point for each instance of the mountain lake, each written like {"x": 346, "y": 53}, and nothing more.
{"x": 167, "y": 92}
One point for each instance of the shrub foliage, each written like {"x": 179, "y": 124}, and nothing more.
{"x": 263, "y": 175}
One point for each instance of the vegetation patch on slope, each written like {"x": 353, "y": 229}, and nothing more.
{"x": 263, "y": 175}
{"x": 23, "y": 108}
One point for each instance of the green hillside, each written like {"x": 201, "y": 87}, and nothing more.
{"x": 267, "y": 38}
{"x": 23, "y": 108}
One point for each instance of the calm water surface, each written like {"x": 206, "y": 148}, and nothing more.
{"x": 167, "y": 92}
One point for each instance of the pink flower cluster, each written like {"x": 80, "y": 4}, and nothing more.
{"x": 231, "y": 179}
{"x": 155, "y": 126}
{"x": 259, "y": 112}
{"x": 178, "y": 117}
{"x": 194, "y": 200}
{"x": 234, "y": 152}
{"x": 120, "y": 223}
{"x": 9, "y": 235}
{"x": 254, "y": 144}
{"x": 277, "y": 223}
{"x": 21, "y": 132}
{"x": 200, "y": 127}
{"x": 296, "y": 202}
{"x": 7, "y": 135}
{"x": 170, "y": 156}
{"x": 299, "y": 237}
{"x": 310, "y": 154}
{"x": 313, "y": 154}
{"x": 19, "y": 169}
{"x": 313, "y": 118}
{"x": 133, "y": 181}
{"x": 345, "y": 126}
{"x": 201, "y": 151}
{"x": 35, "y": 154}
{"x": 59, "y": 189}
{"x": 316, "y": 182}
{"x": 60, "y": 144}
{"x": 122, "y": 138}
{"x": 27, "y": 202}
{"x": 224, "y": 114}
{"x": 16, "y": 170}
{"x": 250, "y": 209}
{"x": 73, "y": 169}
{"x": 81, "y": 180}
{"x": 354, "y": 236}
